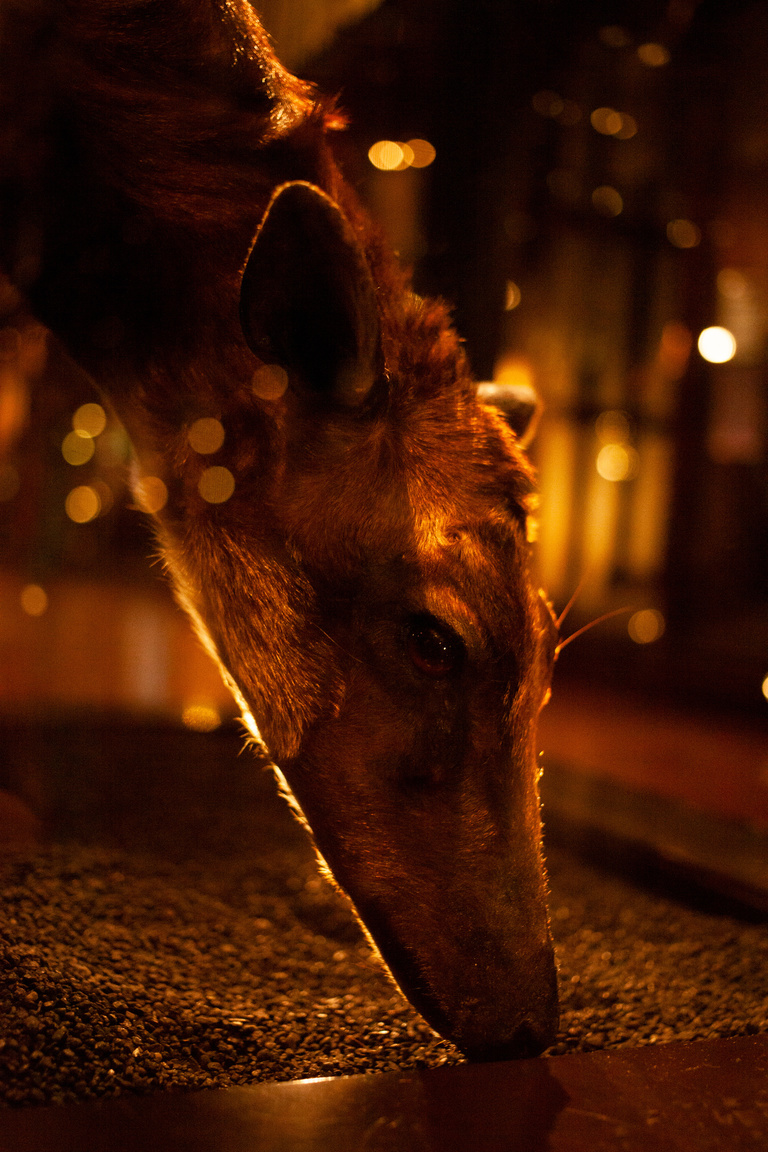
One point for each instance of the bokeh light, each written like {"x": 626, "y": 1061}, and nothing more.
{"x": 206, "y": 435}
{"x": 105, "y": 494}
{"x": 77, "y": 448}
{"x": 607, "y": 201}
{"x": 269, "y": 382}
{"x": 201, "y": 717}
{"x": 646, "y": 626}
{"x": 606, "y": 121}
{"x": 151, "y": 494}
{"x": 90, "y": 419}
{"x": 386, "y": 155}
{"x": 33, "y": 599}
{"x": 614, "y": 36}
{"x": 512, "y": 296}
{"x": 653, "y": 55}
{"x": 765, "y": 687}
{"x": 612, "y": 427}
{"x": 422, "y": 153}
{"x": 617, "y": 462}
{"x": 393, "y": 156}
{"x": 717, "y": 345}
{"x": 683, "y": 233}
{"x": 628, "y": 127}
{"x": 82, "y": 504}
{"x": 216, "y": 485}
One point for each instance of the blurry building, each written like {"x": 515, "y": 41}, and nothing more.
{"x": 586, "y": 183}
{"x": 598, "y": 200}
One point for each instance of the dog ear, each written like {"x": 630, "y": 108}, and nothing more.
{"x": 519, "y": 404}
{"x": 307, "y": 299}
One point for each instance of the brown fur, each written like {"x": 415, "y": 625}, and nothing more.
{"x": 374, "y": 495}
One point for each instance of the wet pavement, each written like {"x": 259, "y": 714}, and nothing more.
{"x": 706, "y": 1097}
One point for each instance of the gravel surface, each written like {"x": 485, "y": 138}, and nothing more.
{"x": 176, "y": 934}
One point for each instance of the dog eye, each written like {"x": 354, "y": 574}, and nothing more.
{"x": 434, "y": 649}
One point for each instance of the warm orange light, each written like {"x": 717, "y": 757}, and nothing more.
{"x": 717, "y": 345}
{"x": 34, "y": 600}
{"x": 683, "y": 233}
{"x": 216, "y": 485}
{"x": 513, "y": 370}
{"x": 607, "y": 201}
{"x": 614, "y": 36}
{"x": 513, "y": 296}
{"x": 201, "y": 718}
{"x": 653, "y": 55}
{"x": 422, "y": 153}
{"x": 106, "y": 496}
{"x": 765, "y": 687}
{"x": 386, "y": 155}
{"x": 82, "y": 504}
{"x": 607, "y": 121}
{"x": 628, "y": 127}
{"x": 617, "y": 462}
{"x": 90, "y": 419}
{"x": 151, "y": 494}
{"x": 612, "y": 427}
{"x": 206, "y": 435}
{"x": 646, "y": 626}
{"x": 393, "y": 156}
{"x": 269, "y": 382}
{"x": 77, "y": 448}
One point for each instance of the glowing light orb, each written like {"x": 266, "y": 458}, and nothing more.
{"x": 612, "y": 427}
{"x": 77, "y": 447}
{"x": 765, "y": 687}
{"x": 617, "y": 462}
{"x": 201, "y": 718}
{"x": 683, "y": 233}
{"x": 422, "y": 153}
{"x": 653, "y": 55}
{"x": 628, "y": 127}
{"x": 606, "y": 121}
{"x": 151, "y": 494}
{"x": 386, "y": 155}
{"x": 206, "y": 435}
{"x": 34, "y": 600}
{"x": 82, "y": 504}
{"x": 646, "y": 626}
{"x": 216, "y": 485}
{"x": 607, "y": 201}
{"x": 269, "y": 382}
{"x": 513, "y": 296}
{"x": 90, "y": 419}
{"x": 392, "y": 156}
{"x": 717, "y": 345}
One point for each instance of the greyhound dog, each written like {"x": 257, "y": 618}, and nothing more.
{"x": 351, "y": 545}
